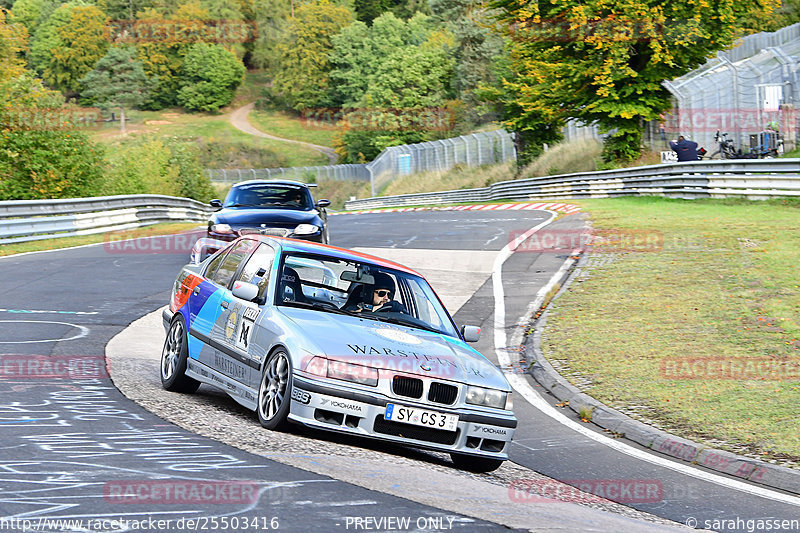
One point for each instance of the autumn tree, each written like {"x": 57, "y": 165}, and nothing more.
{"x": 68, "y": 44}
{"x": 304, "y": 65}
{"x": 13, "y": 43}
{"x": 118, "y": 80}
{"x": 604, "y": 62}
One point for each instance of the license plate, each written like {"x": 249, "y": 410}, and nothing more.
{"x": 420, "y": 417}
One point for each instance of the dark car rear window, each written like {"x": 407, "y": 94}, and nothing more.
{"x": 266, "y": 195}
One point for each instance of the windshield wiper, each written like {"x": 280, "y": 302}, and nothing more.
{"x": 318, "y": 307}
{"x": 240, "y": 205}
{"x": 400, "y": 319}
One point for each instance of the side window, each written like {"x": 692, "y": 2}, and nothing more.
{"x": 258, "y": 268}
{"x": 231, "y": 262}
{"x": 214, "y": 265}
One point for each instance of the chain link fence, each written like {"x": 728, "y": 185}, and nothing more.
{"x": 741, "y": 91}
{"x": 305, "y": 174}
{"x": 483, "y": 148}
{"x": 746, "y": 91}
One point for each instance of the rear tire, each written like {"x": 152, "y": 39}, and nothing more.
{"x": 173, "y": 359}
{"x": 274, "y": 393}
{"x": 474, "y": 463}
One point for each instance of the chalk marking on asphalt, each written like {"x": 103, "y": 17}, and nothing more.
{"x": 83, "y": 331}
{"x": 520, "y": 385}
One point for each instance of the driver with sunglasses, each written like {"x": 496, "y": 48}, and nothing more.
{"x": 378, "y": 297}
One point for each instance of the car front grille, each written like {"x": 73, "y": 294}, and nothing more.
{"x": 408, "y": 387}
{"x": 442, "y": 393}
{"x": 274, "y": 232}
{"x": 420, "y": 433}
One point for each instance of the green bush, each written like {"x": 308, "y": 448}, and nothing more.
{"x": 153, "y": 165}
{"x": 210, "y": 76}
{"x": 48, "y": 164}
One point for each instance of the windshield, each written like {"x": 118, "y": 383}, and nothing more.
{"x": 362, "y": 289}
{"x": 269, "y": 195}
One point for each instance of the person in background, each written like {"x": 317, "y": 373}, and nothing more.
{"x": 686, "y": 149}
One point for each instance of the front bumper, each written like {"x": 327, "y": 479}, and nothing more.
{"x": 328, "y": 406}
{"x": 166, "y": 318}
{"x": 223, "y": 238}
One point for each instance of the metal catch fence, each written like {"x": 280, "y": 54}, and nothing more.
{"x": 477, "y": 149}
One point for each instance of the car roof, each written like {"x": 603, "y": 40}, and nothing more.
{"x": 295, "y": 245}
{"x": 272, "y": 182}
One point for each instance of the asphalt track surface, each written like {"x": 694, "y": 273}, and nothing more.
{"x": 64, "y": 440}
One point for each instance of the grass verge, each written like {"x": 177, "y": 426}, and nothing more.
{"x": 458, "y": 177}
{"x": 82, "y": 240}
{"x": 289, "y": 126}
{"x": 723, "y": 290}
{"x": 211, "y": 129}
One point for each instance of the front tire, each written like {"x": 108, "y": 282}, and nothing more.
{"x": 173, "y": 360}
{"x": 274, "y": 393}
{"x": 474, "y": 463}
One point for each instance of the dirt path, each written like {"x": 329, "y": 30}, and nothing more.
{"x": 240, "y": 122}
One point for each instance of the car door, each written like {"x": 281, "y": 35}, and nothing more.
{"x": 218, "y": 308}
{"x": 236, "y": 355}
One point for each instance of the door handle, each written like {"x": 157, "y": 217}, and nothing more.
{"x": 224, "y": 304}
{"x": 196, "y": 290}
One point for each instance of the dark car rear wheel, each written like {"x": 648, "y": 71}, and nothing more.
{"x": 173, "y": 359}
{"x": 275, "y": 390}
{"x": 474, "y": 463}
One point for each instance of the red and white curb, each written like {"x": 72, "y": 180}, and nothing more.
{"x": 561, "y": 208}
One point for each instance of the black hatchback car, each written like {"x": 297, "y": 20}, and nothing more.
{"x": 270, "y": 207}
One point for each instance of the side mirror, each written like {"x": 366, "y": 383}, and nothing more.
{"x": 471, "y": 333}
{"x": 323, "y": 203}
{"x": 245, "y": 291}
{"x": 216, "y": 203}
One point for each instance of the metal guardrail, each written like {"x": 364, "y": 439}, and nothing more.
{"x": 755, "y": 179}
{"x": 31, "y": 220}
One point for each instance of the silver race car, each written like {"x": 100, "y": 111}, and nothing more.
{"x": 336, "y": 340}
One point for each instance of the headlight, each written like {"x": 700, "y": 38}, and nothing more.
{"x": 221, "y": 228}
{"x": 305, "y": 229}
{"x": 488, "y": 397}
{"x": 345, "y": 371}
